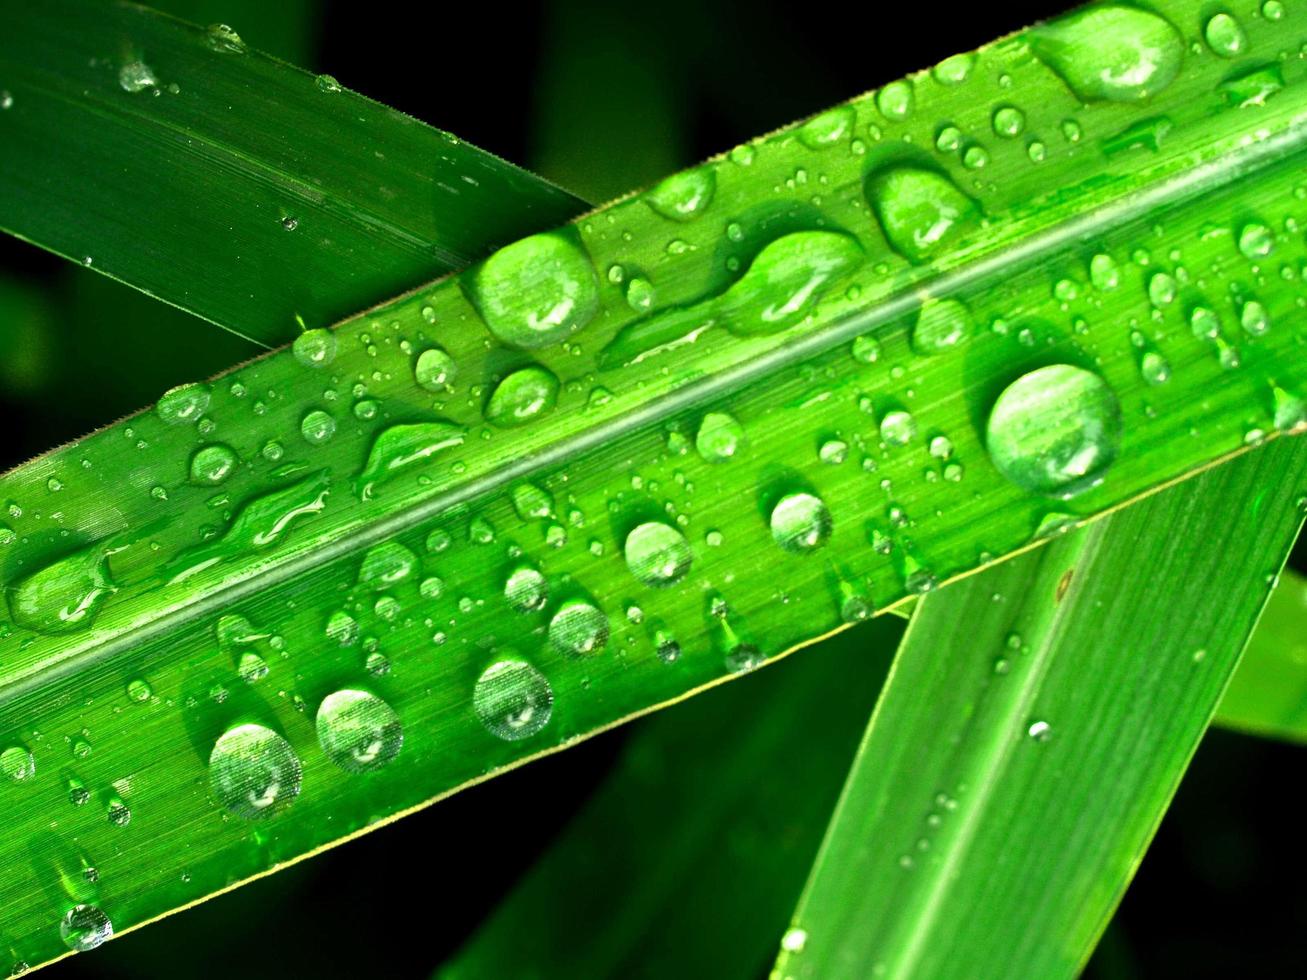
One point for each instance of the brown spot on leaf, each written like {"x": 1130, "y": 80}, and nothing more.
{"x": 1064, "y": 584}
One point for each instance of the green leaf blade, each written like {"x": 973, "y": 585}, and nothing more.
{"x": 1003, "y": 796}
{"x": 816, "y": 463}
{"x": 229, "y": 184}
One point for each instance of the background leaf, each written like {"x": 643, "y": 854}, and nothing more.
{"x": 1002, "y": 797}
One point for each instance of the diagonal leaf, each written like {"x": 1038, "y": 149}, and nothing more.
{"x": 705, "y": 829}
{"x": 1268, "y": 693}
{"x": 1002, "y": 798}
{"x": 437, "y": 504}
{"x": 229, "y": 184}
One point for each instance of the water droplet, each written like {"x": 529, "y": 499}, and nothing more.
{"x": 136, "y": 76}
{"x": 1253, "y": 87}
{"x": 513, "y": 699}
{"x": 800, "y": 522}
{"x": 898, "y": 428}
{"x": 327, "y": 84}
{"x": 221, "y": 38}
{"x": 1009, "y": 121}
{"x": 118, "y": 813}
{"x": 1204, "y": 323}
{"x": 401, "y": 446}
{"x": 185, "y": 403}
{"x": 1111, "y": 52}
{"x": 955, "y": 69}
{"x": 139, "y": 690}
{"x": 657, "y": 554}
{"x": 358, "y": 731}
{"x": 315, "y": 348}
{"x": 832, "y": 452}
{"x": 1161, "y": 289}
{"x": 1256, "y": 241}
{"x": 640, "y": 294}
{"x": 84, "y": 927}
{"x": 1040, "y": 731}
{"x": 1103, "y": 272}
{"x": 342, "y": 628}
{"x": 1254, "y": 318}
{"x": 720, "y": 437}
{"x": 212, "y": 464}
{"x": 251, "y": 668}
{"x": 6, "y": 100}
{"x": 785, "y": 279}
{"x": 828, "y": 128}
{"x": 64, "y": 595}
{"x": 794, "y": 940}
{"x": 317, "y": 427}
{"x": 865, "y": 349}
{"x": 526, "y": 589}
{"x": 1055, "y": 430}
{"x": 918, "y": 210}
{"x": 523, "y": 396}
{"x": 1224, "y": 35}
{"x": 253, "y": 772}
{"x": 1155, "y": 368}
{"x": 536, "y": 291}
{"x": 895, "y": 100}
{"x": 386, "y": 565}
{"x": 579, "y": 628}
{"x": 683, "y": 196}
{"x": 435, "y": 369}
{"x": 17, "y": 764}
{"x": 941, "y": 324}
{"x": 1273, "y": 10}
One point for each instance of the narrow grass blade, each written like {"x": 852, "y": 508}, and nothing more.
{"x": 1268, "y": 693}
{"x": 622, "y": 462}
{"x": 229, "y": 184}
{"x": 688, "y": 859}
{"x": 1034, "y": 728}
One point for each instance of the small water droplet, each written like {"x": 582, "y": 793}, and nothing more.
{"x": 136, "y": 76}
{"x": 183, "y": 404}
{"x": 317, "y": 427}
{"x": 720, "y": 437}
{"x": 1224, "y": 35}
{"x": 17, "y": 764}
{"x": 1040, "y": 731}
{"x": 683, "y": 196}
{"x": 526, "y": 589}
{"x": 579, "y": 628}
{"x": 212, "y": 464}
{"x": 435, "y": 369}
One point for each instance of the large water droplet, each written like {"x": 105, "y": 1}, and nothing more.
{"x": 523, "y": 396}
{"x": 657, "y": 554}
{"x": 513, "y": 699}
{"x": 212, "y": 464}
{"x": 64, "y": 595}
{"x": 185, "y": 403}
{"x": 918, "y": 210}
{"x": 683, "y": 196}
{"x": 401, "y": 446}
{"x": 1111, "y": 53}
{"x": 358, "y": 731}
{"x": 535, "y": 292}
{"x": 253, "y": 772}
{"x": 526, "y": 589}
{"x": 579, "y": 628}
{"x": 800, "y": 522}
{"x": 261, "y": 523}
{"x": 1055, "y": 430}
{"x": 84, "y": 927}
{"x": 137, "y": 76}
{"x": 315, "y": 348}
